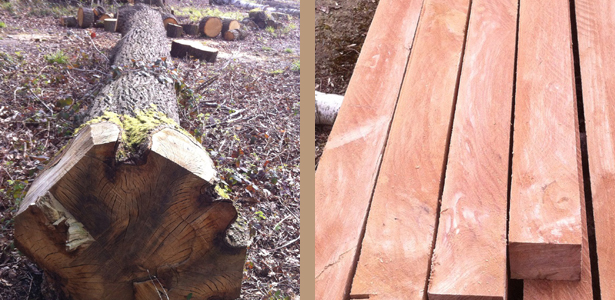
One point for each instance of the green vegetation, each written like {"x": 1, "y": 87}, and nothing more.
{"x": 288, "y": 50}
{"x": 270, "y": 29}
{"x": 276, "y": 72}
{"x": 296, "y": 66}
{"x": 196, "y": 14}
{"x": 58, "y": 57}
{"x": 2, "y": 24}
{"x": 265, "y": 48}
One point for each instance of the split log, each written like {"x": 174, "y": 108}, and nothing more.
{"x": 68, "y": 21}
{"x": 110, "y": 25}
{"x": 235, "y": 34}
{"x": 229, "y": 24}
{"x": 85, "y": 17}
{"x": 169, "y": 18}
{"x": 174, "y": 30}
{"x": 327, "y": 106}
{"x": 191, "y": 29}
{"x": 183, "y": 48}
{"x": 210, "y": 26}
{"x": 98, "y": 12}
{"x": 129, "y": 205}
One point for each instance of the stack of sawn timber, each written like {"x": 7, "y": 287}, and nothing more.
{"x": 469, "y": 158}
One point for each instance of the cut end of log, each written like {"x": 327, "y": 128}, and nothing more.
{"x": 130, "y": 226}
{"x": 183, "y": 48}
{"x": 85, "y": 17}
{"x": 545, "y": 261}
{"x": 174, "y": 30}
{"x": 210, "y": 26}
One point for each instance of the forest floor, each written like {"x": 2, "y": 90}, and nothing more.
{"x": 244, "y": 108}
{"x": 341, "y": 27}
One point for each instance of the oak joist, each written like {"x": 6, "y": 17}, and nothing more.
{"x": 545, "y": 209}
{"x": 347, "y": 171}
{"x": 469, "y": 259}
{"x": 396, "y": 249}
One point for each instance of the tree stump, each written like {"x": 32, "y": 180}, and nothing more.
{"x": 68, "y": 21}
{"x": 169, "y": 18}
{"x": 182, "y": 48}
{"x": 229, "y": 24}
{"x": 174, "y": 30}
{"x": 85, "y": 17}
{"x": 129, "y": 206}
{"x": 235, "y": 34}
{"x": 191, "y": 29}
{"x": 210, "y": 26}
{"x": 110, "y": 25}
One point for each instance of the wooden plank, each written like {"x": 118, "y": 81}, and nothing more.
{"x": 595, "y": 23}
{"x": 469, "y": 259}
{"x": 545, "y": 208}
{"x": 348, "y": 167}
{"x": 394, "y": 262}
{"x": 566, "y": 290}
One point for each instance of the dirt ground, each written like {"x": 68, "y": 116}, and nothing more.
{"x": 244, "y": 108}
{"x": 341, "y": 27}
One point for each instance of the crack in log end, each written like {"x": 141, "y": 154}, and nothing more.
{"x": 150, "y": 289}
{"x": 56, "y": 214}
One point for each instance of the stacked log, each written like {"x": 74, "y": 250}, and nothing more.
{"x": 235, "y": 34}
{"x": 210, "y": 26}
{"x": 191, "y": 29}
{"x": 183, "y": 48}
{"x": 174, "y": 30}
{"x": 229, "y": 24}
{"x": 128, "y": 209}
{"x": 85, "y": 17}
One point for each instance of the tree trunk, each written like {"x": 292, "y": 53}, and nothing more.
{"x": 110, "y": 25}
{"x": 327, "y": 106}
{"x": 174, "y": 30}
{"x": 210, "y": 26}
{"x": 229, "y": 24}
{"x": 68, "y": 21}
{"x": 129, "y": 207}
{"x": 182, "y": 48}
{"x": 235, "y": 34}
{"x": 191, "y": 29}
{"x": 85, "y": 17}
{"x": 105, "y": 16}
{"x": 98, "y": 11}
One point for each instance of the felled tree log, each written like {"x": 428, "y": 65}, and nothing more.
{"x": 183, "y": 48}
{"x": 105, "y": 16}
{"x": 235, "y": 34}
{"x": 169, "y": 18}
{"x": 110, "y": 25}
{"x": 68, "y": 21}
{"x": 327, "y": 107}
{"x": 191, "y": 29}
{"x": 273, "y": 24}
{"x": 210, "y": 26}
{"x": 258, "y": 15}
{"x": 85, "y": 17}
{"x": 174, "y": 30}
{"x": 98, "y": 12}
{"x": 229, "y": 24}
{"x": 129, "y": 205}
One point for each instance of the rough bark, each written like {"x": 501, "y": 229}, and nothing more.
{"x": 169, "y": 18}
{"x": 85, "y": 17}
{"x": 99, "y": 11}
{"x": 235, "y": 34}
{"x": 174, "y": 30}
{"x": 191, "y": 29}
{"x": 110, "y": 25}
{"x": 105, "y": 16}
{"x": 210, "y": 26}
{"x": 327, "y": 106}
{"x": 68, "y": 21}
{"x": 105, "y": 228}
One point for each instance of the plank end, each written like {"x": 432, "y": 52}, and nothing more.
{"x": 545, "y": 261}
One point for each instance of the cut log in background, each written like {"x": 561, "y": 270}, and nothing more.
{"x": 104, "y": 227}
{"x": 235, "y": 34}
{"x": 110, "y": 25}
{"x": 174, "y": 30}
{"x": 68, "y": 21}
{"x": 327, "y": 106}
{"x": 229, "y": 24}
{"x": 210, "y": 26}
{"x": 191, "y": 29}
{"x": 183, "y": 48}
{"x": 105, "y": 16}
{"x": 85, "y": 17}
{"x": 169, "y": 18}
{"x": 98, "y": 11}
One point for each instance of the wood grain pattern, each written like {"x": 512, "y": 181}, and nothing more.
{"x": 566, "y": 290}
{"x": 595, "y": 23}
{"x": 469, "y": 260}
{"x": 347, "y": 171}
{"x": 545, "y": 208}
{"x": 394, "y": 262}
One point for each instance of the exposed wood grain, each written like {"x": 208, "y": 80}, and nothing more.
{"x": 395, "y": 253}
{"x": 545, "y": 208}
{"x": 469, "y": 260}
{"x": 347, "y": 171}
{"x": 595, "y": 23}
{"x": 566, "y": 290}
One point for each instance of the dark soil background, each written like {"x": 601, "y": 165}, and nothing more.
{"x": 341, "y": 27}
{"x": 244, "y": 109}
